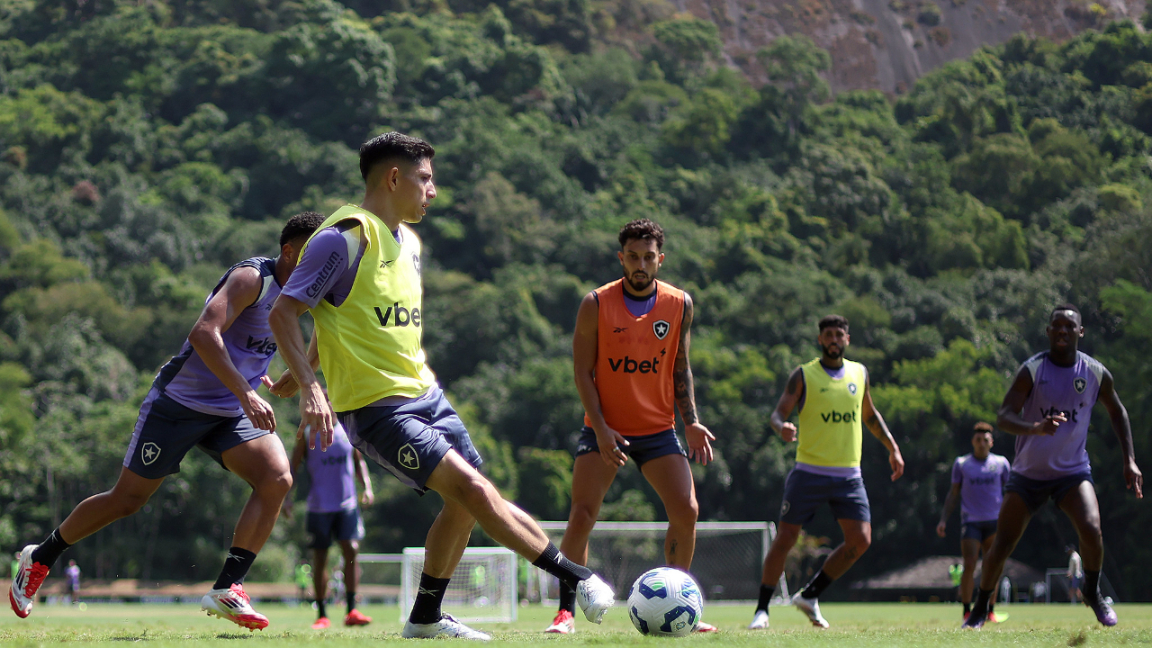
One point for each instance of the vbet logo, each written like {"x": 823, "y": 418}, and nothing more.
{"x": 839, "y": 417}
{"x": 398, "y": 315}
{"x": 629, "y": 366}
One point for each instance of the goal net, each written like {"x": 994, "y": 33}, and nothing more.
{"x": 728, "y": 561}
{"x": 482, "y": 589}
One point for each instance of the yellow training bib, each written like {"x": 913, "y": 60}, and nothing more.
{"x": 830, "y": 428}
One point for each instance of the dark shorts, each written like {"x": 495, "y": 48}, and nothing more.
{"x": 409, "y": 440}
{"x": 640, "y": 448}
{"x": 805, "y": 492}
{"x": 323, "y": 528}
{"x": 166, "y": 431}
{"x": 1074, "y": 583}
{"x": 980, "y": 531}
{"x": 1035, "y": 492}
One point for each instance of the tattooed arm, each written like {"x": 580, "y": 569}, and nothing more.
{"x": 879, "y": 429}
{"x": 788, "y": 401}
{"x": 698, "y": 436}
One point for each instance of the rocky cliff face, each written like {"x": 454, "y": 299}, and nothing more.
{"x": 888, "y": 44}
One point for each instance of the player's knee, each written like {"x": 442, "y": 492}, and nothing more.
{"x": 859, "y": 543}
{"x": 276, "y": 484}
{"x": 476, "y": 493}
{"x": 684, "y": 514}
{"x": 126, "y": 504}
{"x": 583, "y": 517}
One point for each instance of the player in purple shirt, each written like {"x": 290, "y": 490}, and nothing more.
{"x": 1049, "y": 406}
{"x": 205, "y": 396}
{"x": 978, "y": 481}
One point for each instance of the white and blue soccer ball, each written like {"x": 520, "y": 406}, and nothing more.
{"x": 665, "y": 602}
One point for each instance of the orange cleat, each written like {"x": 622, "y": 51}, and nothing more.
{"x": 705, "y": 627}
{"x": 321, "y": 624}
{"x": 357, "y": 618}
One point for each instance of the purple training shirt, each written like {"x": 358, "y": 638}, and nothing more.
{"x": 1071, "y": 391}
{"x": 332, "y": 473}
{"x": 981, "y": 486}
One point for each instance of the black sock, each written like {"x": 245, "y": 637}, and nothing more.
{"x": 816, "y": 587}
{"x": 426, "y": 609}
{"x": 49, "y": 551}
{"x": 321, "y": 608}
{"x": 991, "y": 608}
{"x": 1091, "y": 588}
{"x": 567, "y": 598}
{"x": 967, "y": 608}
{"x": 236, "y": 567}
{"x": 350, "y": 598}
{"x": 765, "y": 596}
{"x": 980, "y": 607}
{"x": 554, "y": 562}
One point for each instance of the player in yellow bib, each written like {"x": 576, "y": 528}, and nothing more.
{"x": 834, "y": 401}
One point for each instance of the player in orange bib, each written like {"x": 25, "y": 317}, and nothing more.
{"x": 630, "y": 354}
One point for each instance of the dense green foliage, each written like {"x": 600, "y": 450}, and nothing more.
{"x": 146, "y": 148}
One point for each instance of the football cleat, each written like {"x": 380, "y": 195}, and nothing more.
{"x": 705, "y": 627}
{"x": 594, "y": 597}
{"x": 997, "y": 617}
{"x": 974, "y": 622}
{"x": 760, "y": 621}
{"x": 1104, "y": 612}
{"x": 234, "y": 605}
{"x": 322, "y": 624}
{"x": 811, "y": 609}
{"x": 446, "y": 627}
{"x": 564, "y": 623}
{"x": 356, "y": 618}
{"x": 25, "y": 582}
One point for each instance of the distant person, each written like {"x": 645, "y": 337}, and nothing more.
{"x": 1075, "y": 573}
{"x": 361, "y": 280}
{"x": 1049, "y": 406}
{"x": 978, "y": 481}
{"x": 205, "y": 396}
{"x": 1006, "y": 589}
{"x": 630, "y": 357}
{"x": 334, "y": 514}
{"x": 72, "y": 574}
{"x": 835, "y": 404}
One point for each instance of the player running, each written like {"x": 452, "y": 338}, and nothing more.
{"x": 833, "y": 397}
{"x": 1049, "y": 406}
{"x": 630, "y": 355}
{"x": 205, "y": 396}
{"x": 333, "y": 513}
{"x": 978, "y": 481}
{"x": 360, "y": 277}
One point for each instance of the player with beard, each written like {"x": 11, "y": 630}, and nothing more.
{"x": 1048, "y": 407}
{"x": 833, "y": 397}
{"x": 628, "y": 332}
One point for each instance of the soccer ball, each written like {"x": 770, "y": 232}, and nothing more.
{"x": 665, "y": 602}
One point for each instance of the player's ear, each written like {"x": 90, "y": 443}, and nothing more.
{"x": 620, "y": 255}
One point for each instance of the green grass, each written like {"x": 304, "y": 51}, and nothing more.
{"x": 872, "y": 625}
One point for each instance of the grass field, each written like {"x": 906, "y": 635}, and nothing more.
{"x": 880, "y": 624}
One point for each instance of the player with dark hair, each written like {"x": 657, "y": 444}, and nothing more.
{"x": 1048, "y": 407}
{"x": 360, "y": 278}
{"x": 628, "y": 332}
{"x": 205, "y": 396}
{"x": 978, "y": 481}
{"x": 834, "y": 400}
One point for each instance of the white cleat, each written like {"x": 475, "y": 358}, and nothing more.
{"x": 446, "y": 627}
{"x": 594, "y": 597}
{"x": 760, "y": 621}
{"x": 25, "y": 582}
{"x": 564, "y": 623}
{"x": 234, "y": 605}
{"x": 811, "y": 609}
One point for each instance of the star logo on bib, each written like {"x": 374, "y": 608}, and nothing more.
{"x": 1079, "y": 384}
{"x": 408, "y": 458}
{"x": 661, "y": 328}
{"x": 852, "y": 388}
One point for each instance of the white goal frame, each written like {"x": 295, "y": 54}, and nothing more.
{"x": 502, "y": 610}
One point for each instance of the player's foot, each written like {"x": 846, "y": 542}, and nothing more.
{"x": 234, "y": 605}
{"x": 356, "y": 618}
{"x": 1104, "y": 612}
{"x": 974, "y": 621}
{"x": 705, "y": 627}
{"x": 321, "y": 624}
{"x": 594, "y": 597}
{"x": 445, "y": 627}
{"x": 564, "y": 623}
{"x": 759, "y": 621}
{"x": 997, "y": 617}
{"x": 811, "y": 609}
{"x": 25, "y": 583}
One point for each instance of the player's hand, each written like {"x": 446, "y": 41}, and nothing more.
{"x": 788, "y": 432}
{"x": 367, "y": 498}
{"x": 611, "y": 445}
{"x": 1134, "y": 478}
{"x": 317, "y": 422}
{"x": 1049, "y": 425}
{"x": 286, "y": 386}
{"x": 699, "y": 446}
{"x": 257, "y": 409}
{"x": 896, "y": 461}
{"x": 940, "y": 528}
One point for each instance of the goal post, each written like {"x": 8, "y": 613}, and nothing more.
{"x": 483, "y": 588}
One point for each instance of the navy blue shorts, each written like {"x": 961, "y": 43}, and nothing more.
{"x": 805, "y": 492}
{"x": 978, "y": 530}
{"x": 409, "y": 440}
{"x": 323, "y": 528}
{"x": 1035, "y": 492}
{"x": 641, "y": 449}
{"x": 166, "y": 431}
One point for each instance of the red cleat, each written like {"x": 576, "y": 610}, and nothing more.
{"x": 357, "y": 618}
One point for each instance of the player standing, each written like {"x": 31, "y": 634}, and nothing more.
{"x": 333, "y": 513}
{"x": 360, "y": 277}
{"x": 205, "y": 396}
{"x": 1074, "y": 574}
{"x": 978, "y": 481}
{"x": 1049, "y": 407}
{"x": 627, "y": 331}
{"x": 833, "y": 396}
